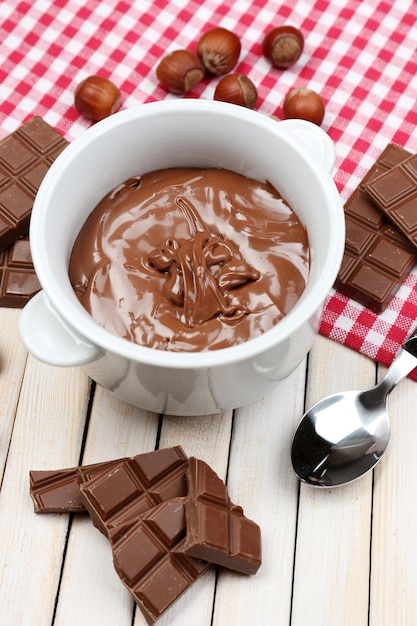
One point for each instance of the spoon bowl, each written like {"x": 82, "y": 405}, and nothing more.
{"x": 344, "y": 436}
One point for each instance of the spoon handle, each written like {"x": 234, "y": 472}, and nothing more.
{"x": 410, "y": 344}
{"x": 403, "y": 364}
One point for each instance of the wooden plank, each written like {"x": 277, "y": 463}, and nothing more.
{"x": 12, "y": 367}
{"x": 331, "y": 577}
{"x": 47, "y": 433}
{"x": 91, "y": 591}
{"x": 394, "y": 529}
{"x": 262, "y": 481}
{"x": 206, "y": 437}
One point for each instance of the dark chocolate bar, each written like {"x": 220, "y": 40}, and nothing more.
{"x": 25, "y": 157}
{"x": 377, "y": 257}
{"x": 58, "y": 491}
{"x": 117, "y": 497}
{"x": 18, "y": 280}
{"x": 217, "y": 530}
{"x": 149, "y": 559}
{"x": 395, "y": 193}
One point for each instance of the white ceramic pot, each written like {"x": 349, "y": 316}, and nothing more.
{"x": 296, "y": 156}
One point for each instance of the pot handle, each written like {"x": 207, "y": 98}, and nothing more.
{"x": 47, "y": 336}
{"x": 314, "y": 139}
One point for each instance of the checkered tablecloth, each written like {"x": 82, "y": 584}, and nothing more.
{"x": 359, "y": 54}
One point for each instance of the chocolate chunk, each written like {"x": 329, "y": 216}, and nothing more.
{"x": 377, "y": 257}
{"x": 58, "y": 491}
{"x": 25, "y": 156}
{"x": 150, "y": 562}
{"x": 18, "y": 280}
{"x": 116, "y": 497}
{"x": 217, "y": 530}
{"x": 395, "y": 193}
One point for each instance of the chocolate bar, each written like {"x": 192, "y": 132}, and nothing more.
{"x": 160, "y": 511}
{"x": 58, "y": 491}
{"x": 116, "y": 497}
{"x": 25, "y": 157}
{"x": 149, "y": 559}
{"x": 217, "y": 530}
{"x": 377, "y": 257}
{"x": 18, "y": 280}
{"x": 395, "y": 193}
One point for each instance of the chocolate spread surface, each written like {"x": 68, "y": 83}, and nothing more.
{"x": 188, "y": 259}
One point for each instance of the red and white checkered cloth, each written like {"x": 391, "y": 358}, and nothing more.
{"x": 359, "y": 54}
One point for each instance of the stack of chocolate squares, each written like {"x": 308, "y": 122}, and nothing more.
{"x": 381, "y": 231}
{"x": 25, "y": 157}
{"x": 168, "y": 519}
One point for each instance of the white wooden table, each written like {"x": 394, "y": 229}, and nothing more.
{"x": 342, "y": 557}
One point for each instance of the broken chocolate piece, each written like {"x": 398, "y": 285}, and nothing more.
{"x": 140, "y": 504}
{"x": 149, "y": 559}
{"x": 58, "y": 491}
{"x": 377, "y": 257}
{"x": 217, "y": 530}
{"x": 116, "y": 497}
{"x": 395, "y": 193}
{"x": 25, "y": 157}
{"x": 18, "y": 280}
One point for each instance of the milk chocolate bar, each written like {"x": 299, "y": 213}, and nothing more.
{"x": 395, "y": 193}
{"x": 149, "y": 559}
{"x": 118, "y": 496}
{"x": 377, "y": 257}
{"x": 25, "y": 157}
{"x": 18, "y": 280}
{"x": 160, "y": 511}
{"x": 58, "y": 491}
{"x": 217, "y": 530}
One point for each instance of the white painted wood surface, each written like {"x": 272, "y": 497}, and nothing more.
{"x": 338, "y": 557}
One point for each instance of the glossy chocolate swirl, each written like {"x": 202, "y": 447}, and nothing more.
{"x": 191, "y": 282}
{"x": 190, "y": 259}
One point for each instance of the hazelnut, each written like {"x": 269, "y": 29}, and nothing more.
{"x": 180, "y": 71}
{"x": 304, "y": 104}
{"x": 283, "y": 46}
{"x": 219, "y": 50}
{"x": 96, "y": 97}
{"x": 237, "y": 89}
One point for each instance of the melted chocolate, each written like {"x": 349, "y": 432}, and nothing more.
{"x": 190, "y": 259}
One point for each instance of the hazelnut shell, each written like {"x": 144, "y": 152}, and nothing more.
{"x": 96, "y": 97}
{"x": 237, "y": 89}
{"x": 305, "y": 104}
{"x": 179, "y": 71}
{"x": 219, "y": 50}
{"x": 283, "y": 45}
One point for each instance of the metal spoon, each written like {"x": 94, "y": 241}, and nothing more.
{"x": 344, "y": 435}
